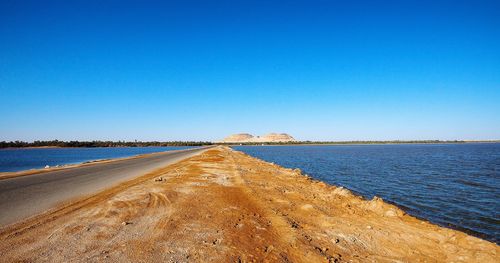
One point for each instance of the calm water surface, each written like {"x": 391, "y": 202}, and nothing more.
{"x": 454, "y": 185}
{"x": 23, "y": 159}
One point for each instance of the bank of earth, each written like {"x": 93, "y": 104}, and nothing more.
{"x": 223, "y": 205}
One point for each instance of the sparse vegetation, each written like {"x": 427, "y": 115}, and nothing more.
{"x": 349, "y": 142}
{"x": 57, "y": 143}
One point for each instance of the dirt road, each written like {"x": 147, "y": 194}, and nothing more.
{"x": 25, "y": 196}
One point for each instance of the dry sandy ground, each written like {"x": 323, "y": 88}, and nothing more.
{"x": 225, "y": 206}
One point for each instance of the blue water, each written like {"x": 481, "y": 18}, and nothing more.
{"x": 23, "y": 159}
{"x": 453, "y": 185}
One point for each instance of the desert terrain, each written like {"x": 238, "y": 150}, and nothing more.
{"x": 225, "y": 206}
{"x": 248, "y": 138}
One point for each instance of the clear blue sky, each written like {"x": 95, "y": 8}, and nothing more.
{"x": 319, "y": 70}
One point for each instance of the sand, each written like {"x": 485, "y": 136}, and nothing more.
{"x": 225, "y": 206}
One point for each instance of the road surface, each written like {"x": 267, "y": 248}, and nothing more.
{"x": 25, "y": 196}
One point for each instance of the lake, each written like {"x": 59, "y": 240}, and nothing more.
{"x": 453, "y": 185}
{"x": 12, "y": 160}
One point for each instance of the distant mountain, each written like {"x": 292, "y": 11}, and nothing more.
{"x": 240, "y": 137}
{"x": 245, "y": 137}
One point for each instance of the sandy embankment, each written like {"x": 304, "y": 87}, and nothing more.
{"x": 225, "y": 206}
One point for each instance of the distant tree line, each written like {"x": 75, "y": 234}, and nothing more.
{"x": 343, "y": 142}
{"x": 57, "y": 143}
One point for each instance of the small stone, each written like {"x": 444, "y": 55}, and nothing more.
{"x": 126, "y": 223}
{"x": 390, "y": 213}
{"x": 269, "y": 248}
{"x": 369, "y": 227}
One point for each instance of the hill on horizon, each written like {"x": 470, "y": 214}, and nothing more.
{"x": 246, "y": 137}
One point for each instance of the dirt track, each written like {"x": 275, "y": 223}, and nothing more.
{"x": 225, "y": 206}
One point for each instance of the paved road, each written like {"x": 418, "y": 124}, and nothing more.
{"x": 25, "y": 196}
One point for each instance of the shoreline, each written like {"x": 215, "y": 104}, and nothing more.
{"x": 98, "y": 147}
{"x": 299, "y": 143}
{"x": 348, "y": 144}
{"x": 8, "y": 175}
{"x": 451, "y": 226}
{"x": 221, "y": 206}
